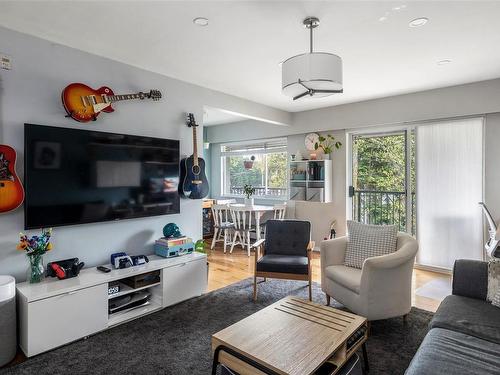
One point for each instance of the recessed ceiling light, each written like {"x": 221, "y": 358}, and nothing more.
{"x": 444, "y": 62}
{"x": 201, "y": 21}
{"x": 417, "y": 22}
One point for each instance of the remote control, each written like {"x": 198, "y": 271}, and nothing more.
{"x": 103, "y": 269}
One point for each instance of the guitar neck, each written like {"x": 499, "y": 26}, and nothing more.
{"x": 195, "y": 147}
{"x": 117, "y": 98}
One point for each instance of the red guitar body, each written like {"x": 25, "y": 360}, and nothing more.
{"x": 11, "y": 189}
{"x": 81, "y": 101}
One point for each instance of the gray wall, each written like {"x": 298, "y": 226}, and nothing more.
{"x": 339, "y": 157}
{"x": 492, "y": 164}
{"x": 481, "y": 99}
{"x": 30, "y": 93}
{"x": 464, "y": 100}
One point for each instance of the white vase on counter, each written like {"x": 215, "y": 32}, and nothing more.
{"x": 249, "y": 201}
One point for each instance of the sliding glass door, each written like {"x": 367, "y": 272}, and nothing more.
{"x": 427, "y": 179}
{"x": 449, "y": 186}
{"x": 382, "y": 189}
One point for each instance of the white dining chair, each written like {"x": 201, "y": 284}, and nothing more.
{"x": 242, "y": 220}
{"x": 222, "y": 224}
{"x": 279, "y": 211}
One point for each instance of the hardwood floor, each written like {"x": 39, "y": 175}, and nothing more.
{"x": 226, "y": 269}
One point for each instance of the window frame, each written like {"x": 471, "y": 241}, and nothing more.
{"x": 255, "y": 147}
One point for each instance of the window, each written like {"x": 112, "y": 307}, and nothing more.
{"x": 262, "y": 164}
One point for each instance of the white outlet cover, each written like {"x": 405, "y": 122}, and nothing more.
{"x": 5, "y": 61}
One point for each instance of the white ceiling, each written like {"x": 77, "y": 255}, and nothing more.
{"x": 239, "y": 51}
{"x": 214, "y": 116}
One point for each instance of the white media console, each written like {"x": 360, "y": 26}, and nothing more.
{"x": 56, "y": 312}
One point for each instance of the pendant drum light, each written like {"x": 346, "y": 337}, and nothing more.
{"x": 314, "y": 74}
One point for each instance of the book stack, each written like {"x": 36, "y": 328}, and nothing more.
{"x": 173, "y": 247}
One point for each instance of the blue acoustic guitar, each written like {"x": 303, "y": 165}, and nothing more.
{"x": 194, "y": 183}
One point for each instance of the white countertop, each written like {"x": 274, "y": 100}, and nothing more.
{"x": 89, "y": 277}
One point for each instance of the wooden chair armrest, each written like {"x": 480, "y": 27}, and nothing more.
{"x": 257, "y": 246}
{"x": 310, "y": 246}
{"x": 259, "y": 243}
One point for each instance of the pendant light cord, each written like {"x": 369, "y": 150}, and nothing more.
{"x": 311, "y": 37}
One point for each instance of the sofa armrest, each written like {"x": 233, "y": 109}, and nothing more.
{"x": 333, "y": 252}
{"x": 470, "y": 279}
{"x": 390, "y": 273}
{"x": 402, "y": 255}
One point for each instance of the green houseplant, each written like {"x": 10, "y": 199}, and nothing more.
{"x": 327, "y": 144}
{"x": 248, "y": 190}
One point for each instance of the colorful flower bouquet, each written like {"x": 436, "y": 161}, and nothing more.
{"x": 35, "y": 248}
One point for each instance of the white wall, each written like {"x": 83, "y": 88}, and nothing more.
{"x": 30, "y": 93}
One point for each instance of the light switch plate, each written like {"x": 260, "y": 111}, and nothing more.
{"x": 5, "y": 61}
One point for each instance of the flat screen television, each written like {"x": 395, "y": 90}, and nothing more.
{"x": 76, "y": 176}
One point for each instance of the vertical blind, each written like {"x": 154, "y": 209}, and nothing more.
{"x": 449, "y": 187}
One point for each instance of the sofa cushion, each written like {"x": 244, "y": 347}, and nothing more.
{"x": 287, "y": 237}
{"x": 348, "y": 277}
{"x": 445, "y": 352}
{"x": 470, "y": 316}
{"x": 496, "y": 300}
{"x": 470, "y": 278}
{"x": 283, "y": 264}
{"x": 366, "y": 241}
{"x": 493, "y": 278}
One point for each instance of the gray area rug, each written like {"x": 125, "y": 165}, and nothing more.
{"x": 176, "y": 340}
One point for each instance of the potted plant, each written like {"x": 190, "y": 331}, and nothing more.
{"x": 327, "y": 145}
{"x": 249, "y": 190}
{"x": 248, "y": 164}
{"x": 35, "y": 247}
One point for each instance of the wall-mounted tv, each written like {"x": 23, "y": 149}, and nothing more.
{"x": 76, "y": 176}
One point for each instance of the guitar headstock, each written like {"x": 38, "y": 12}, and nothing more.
{"x": 190, "y": 121}
{"x": 152, "y": 94}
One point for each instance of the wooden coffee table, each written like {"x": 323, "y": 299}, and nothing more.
{"x": 291, "y": 336}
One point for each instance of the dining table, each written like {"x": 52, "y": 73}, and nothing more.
{"x": 258, "y": 211}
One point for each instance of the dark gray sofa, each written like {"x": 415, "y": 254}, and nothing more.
{"x": 464, "y": 336}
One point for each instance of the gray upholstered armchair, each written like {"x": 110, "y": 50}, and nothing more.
{"x": 380, "y": 290}
{"x": 286, "y": 252}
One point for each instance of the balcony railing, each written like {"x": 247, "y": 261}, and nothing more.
{"x": 383, "y": 207}
{"x": 260, "y": 191}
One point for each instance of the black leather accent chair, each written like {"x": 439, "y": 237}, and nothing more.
{"x": 286, "y": 252}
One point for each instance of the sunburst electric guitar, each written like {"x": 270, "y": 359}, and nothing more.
{"x": 194, "y": 183}
{"x": 84, "y": 104}
{"x": 11, "y": 189}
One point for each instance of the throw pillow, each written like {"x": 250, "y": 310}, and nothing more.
{"x": 366, "y": 241}
{"x": 493, "y": 278}
{"x": 496, "y": 299}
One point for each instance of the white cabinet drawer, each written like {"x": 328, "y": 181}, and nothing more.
{"x": 58, "y": 320}
{"x": 184, "y": 281}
